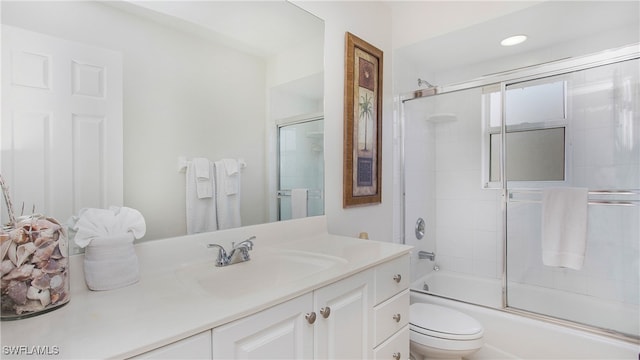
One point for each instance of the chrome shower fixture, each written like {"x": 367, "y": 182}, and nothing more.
{"x": 424, "y": 83}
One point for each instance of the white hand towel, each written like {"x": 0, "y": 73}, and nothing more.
{"x": 111, "y": 262}
{"x": 564, "y": 227}
{"x": 231, "y": 166}
{"x": 299, "y": 203}
{"x": 202, "y": 167}
{"x": 232, "y": 182}
{"x": 92, "y": 223}
{"x": 227, "y": 205}
{"x": 204, "y": 185}
{"x": 128, "y": 220}
{"x": 201, "y": 212}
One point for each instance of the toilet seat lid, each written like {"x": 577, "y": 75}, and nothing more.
{"x": 439, "y": 320}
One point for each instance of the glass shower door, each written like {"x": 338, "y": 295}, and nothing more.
{"x": 591, "y": 142}
{"x": 301, "y": 169}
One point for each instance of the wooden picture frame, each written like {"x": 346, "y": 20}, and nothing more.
{"x": 362, "y": 183}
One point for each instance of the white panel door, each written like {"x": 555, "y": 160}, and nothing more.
{"x": 280, "y": 332}
{"x": 345, "y": 315}
{"x": 61, "y": 124}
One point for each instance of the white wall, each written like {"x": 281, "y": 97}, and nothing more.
{"x": 180, "y": 93}
{"x": 370, "y": 21}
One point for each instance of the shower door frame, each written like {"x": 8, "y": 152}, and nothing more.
{"x": 504, "y": 79}
{"x": 296, "y": 120}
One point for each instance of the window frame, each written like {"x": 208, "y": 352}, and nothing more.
{"x": 488, "y": 131}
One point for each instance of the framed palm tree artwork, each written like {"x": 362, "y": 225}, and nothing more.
{"x": 362, "y": 123}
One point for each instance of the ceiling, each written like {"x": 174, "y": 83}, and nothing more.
{"x": 549, "y": 24}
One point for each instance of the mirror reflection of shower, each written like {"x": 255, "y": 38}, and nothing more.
{"x": 300, "y": 169}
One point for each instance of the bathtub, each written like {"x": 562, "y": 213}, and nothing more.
{"x": 475, "y": 290}
{"x": 512, "y": 336}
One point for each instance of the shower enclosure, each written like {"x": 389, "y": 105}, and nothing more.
{"x": 301, "y": 165}
{"x": 478, "y": 158}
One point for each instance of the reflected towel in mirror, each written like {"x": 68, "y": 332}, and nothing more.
{"x": 232, "y": 181}
{"x": 227, "y": 197}
{"x": 299, "y": 203}
{"x": 201, "y": 212}
{"x": 204, "y": 185}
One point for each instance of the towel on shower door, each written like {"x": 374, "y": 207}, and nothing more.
{"x": 564, "y": 227}
{"x": 201, "y": 212}
{"x": 298, "y": 203}
{"x": 228, "y": 204}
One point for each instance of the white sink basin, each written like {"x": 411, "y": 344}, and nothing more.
{"x": 265, "y": 270}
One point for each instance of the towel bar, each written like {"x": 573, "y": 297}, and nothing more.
{"x": 311, "y": 194}
{"x": 183, "y": 161}
{"x": 598, "y": 194}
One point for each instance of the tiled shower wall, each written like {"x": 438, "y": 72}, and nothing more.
{"x": 468, "y": 217}
{"x": 443, "y": 162}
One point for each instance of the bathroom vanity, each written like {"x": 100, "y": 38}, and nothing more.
{"x": 304, "y": 293}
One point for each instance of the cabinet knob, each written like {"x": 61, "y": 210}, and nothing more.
{"x": 310, "y": 317}
{"x": 325, "y": 312}
{"x": 397, "y": 355}
{"x": 397, "y": 278}
{"x": 397, "y": 317}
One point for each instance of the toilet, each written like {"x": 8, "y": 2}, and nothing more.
{"x": 438, "y": 332}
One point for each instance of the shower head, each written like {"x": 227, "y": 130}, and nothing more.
{"x": 424, "y": 83}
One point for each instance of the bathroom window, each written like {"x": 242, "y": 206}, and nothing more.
{"x": 535, "y": 115}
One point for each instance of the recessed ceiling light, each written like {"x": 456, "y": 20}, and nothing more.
{"x": 513, "y": 40}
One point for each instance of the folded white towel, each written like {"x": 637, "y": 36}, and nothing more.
{"x": 201, "y": 211}
{"x": 564, "y": 227}
{"x": 92, "y": 223}
{"x": 227, "y": 205}
{"x": 231, "y": 166}
{"x": 202, "y": 167}
{"x": 232, "y": 180}
{"x": 204, "y": 183}
{"x": 111, "y": 262}
{"x": 299, "y": 203}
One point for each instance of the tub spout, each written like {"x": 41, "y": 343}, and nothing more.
{"x": 426, "y": 255}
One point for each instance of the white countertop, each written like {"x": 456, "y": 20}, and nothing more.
{"x": 163, "y": 308}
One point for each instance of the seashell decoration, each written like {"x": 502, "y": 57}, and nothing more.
{"x": 33, "y": 264}
{"x": 35, "y": 273}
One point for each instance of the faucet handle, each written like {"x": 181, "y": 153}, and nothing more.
{"x": 222, "y": 259}
{"x": 221, "y": 249}
{"x": 248, "y": 243}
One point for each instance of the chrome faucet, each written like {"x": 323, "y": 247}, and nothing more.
{"x": 239, "y": 253}
{"x": 427, "y": 255}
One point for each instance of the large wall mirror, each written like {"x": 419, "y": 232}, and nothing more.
{"x": 213, "y": 79}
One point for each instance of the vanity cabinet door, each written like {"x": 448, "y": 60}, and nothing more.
{"x": 344, "y": 316}
{"x": 194, "y": 347}
{"x": 279, "y": 332}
